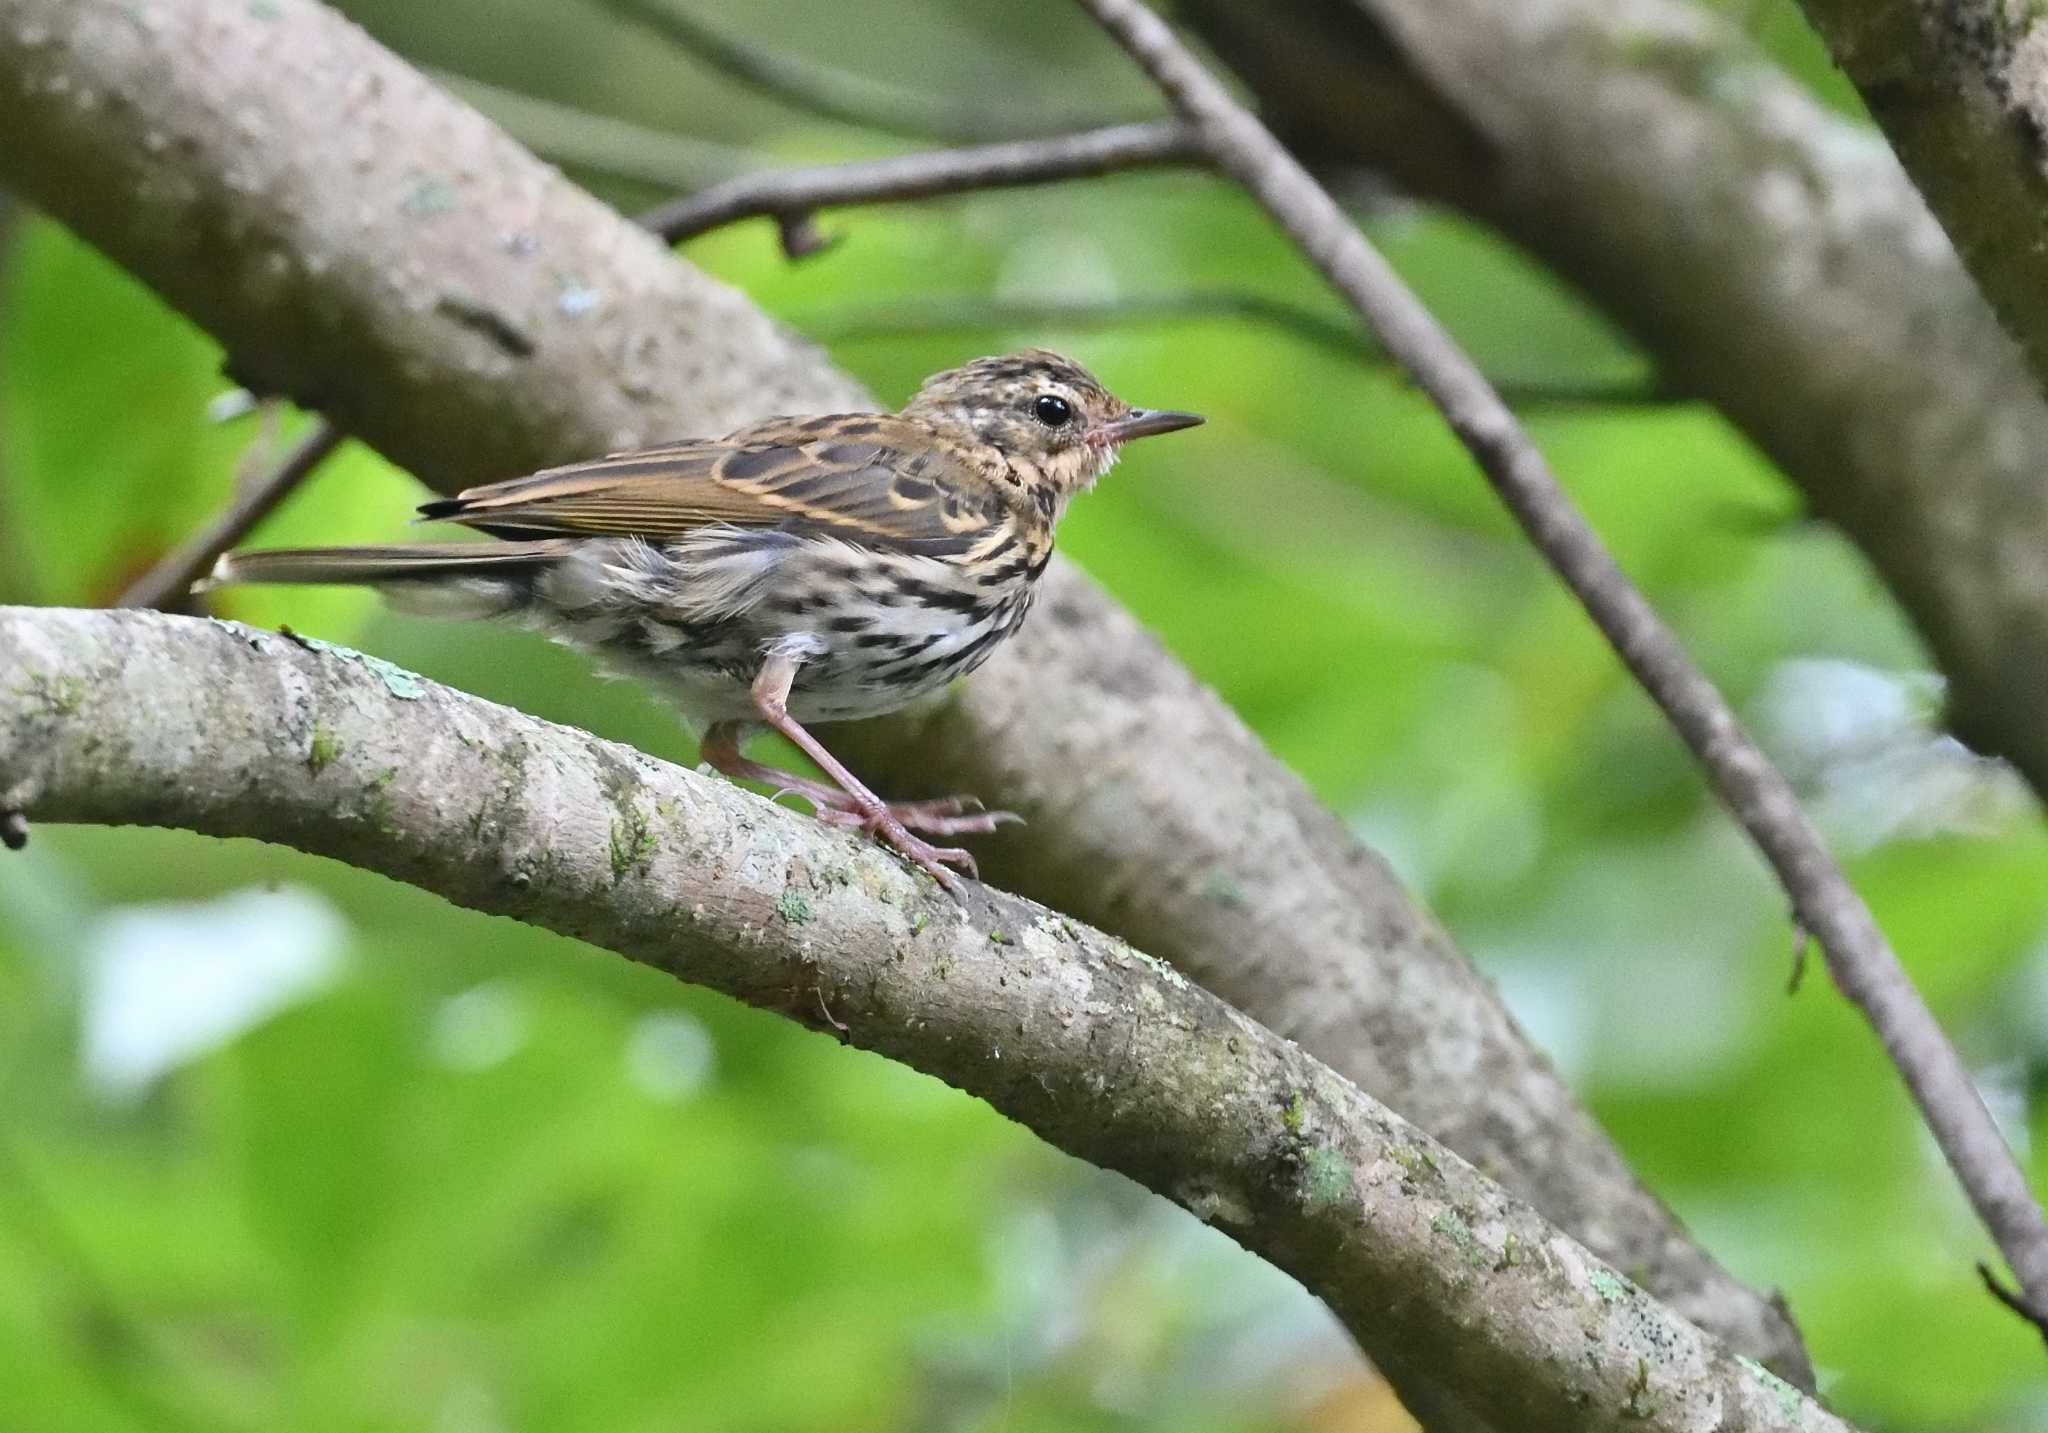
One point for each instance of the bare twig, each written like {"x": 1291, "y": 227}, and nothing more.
{"x": 838, "y": 94}
{"x": 1755, "y": 792}
{"x": 174, "y": 575}
{"x": 1105, "y": 1051}
{"x": 917, "y": 314}
{"x": 795, "y": 193}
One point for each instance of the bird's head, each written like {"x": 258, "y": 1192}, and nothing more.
{"x": 1042, "y": 408}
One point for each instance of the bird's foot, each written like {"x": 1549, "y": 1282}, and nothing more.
{"x": 945, "y": 816}
{"x": 881, "y": 822}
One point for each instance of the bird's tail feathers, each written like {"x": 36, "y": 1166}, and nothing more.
{"x": 450, "y": 578}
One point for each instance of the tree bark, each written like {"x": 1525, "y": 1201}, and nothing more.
{"x": 367, "y": 245}
{"x": 141, "y": 718}
{"x": 1769, "y": 256}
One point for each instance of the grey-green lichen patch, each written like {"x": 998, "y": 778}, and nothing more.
{"x": 325, "y": 748}
{"x": 1326, "y": 1179}
{"x": 1450, "y": 1224}
{"x": 793, "y": 906}
{"x": 431, "y": 195}
{"x": 1418, "y": 1163}
{"x": 59, "y": 696}
{"x": 1127, "y": 955}
{"x": 1791, "y": 1402}
{"x": 1608, "y": 1285}
{"x": 1222, "y": 889}
{"x": 404, "y": 685}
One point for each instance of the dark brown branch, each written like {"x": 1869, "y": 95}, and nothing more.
{"x": 174, "y": 575}
{"x": 837, "y": 94}
{"x": 793, "y": 194}
{"x": 1754, "y": 791}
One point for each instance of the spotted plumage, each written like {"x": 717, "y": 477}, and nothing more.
{"x": 797, "y": 570}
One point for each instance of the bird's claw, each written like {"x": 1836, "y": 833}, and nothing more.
{"x": 888, "y": 824}
{"x": 946, "y": 816}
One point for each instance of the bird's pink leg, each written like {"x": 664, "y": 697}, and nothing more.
{"x": 944, "y": 816}
{"x": 852, "y": 804}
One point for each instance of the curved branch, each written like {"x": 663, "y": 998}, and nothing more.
{"x": 1754, "y": 791}
{"x": 139, "y": 718}
{"x": 492, "y": 319}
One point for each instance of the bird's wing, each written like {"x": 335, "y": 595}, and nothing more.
{"x": 873, "y": 480}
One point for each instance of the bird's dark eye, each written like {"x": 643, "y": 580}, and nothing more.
{"x": 1052, "y": 410}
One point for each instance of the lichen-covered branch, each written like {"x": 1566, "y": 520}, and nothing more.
{"x": 1770, "y": 256}
{"x": 383, "y": 254}
{"x": 139, "y": 718}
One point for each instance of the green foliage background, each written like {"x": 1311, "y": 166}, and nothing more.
{"x": 480, "y": 1178}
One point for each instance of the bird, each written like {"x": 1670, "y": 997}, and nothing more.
{"x": 797, "y": 570}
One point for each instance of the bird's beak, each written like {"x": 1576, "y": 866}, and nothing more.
{"x": 1144, "y": 422}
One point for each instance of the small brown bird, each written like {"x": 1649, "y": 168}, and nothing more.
{"x": 797, "y": 570}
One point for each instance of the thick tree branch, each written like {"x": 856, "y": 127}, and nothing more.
{"x": 460, "y": 307}
{"x": 139, "y": 718}
{"x": 1755, "y": 792}
{"x": 1771, "y": 257}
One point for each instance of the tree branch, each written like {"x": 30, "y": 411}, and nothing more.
{"x": 139, "y": 718}
{"x": 1754, "y": 791}
{"x": 172, "y": 577}
{"x": 1770, "y": 256}
{"x": 1242, "y": 879}
{"x": 794, "y": 194}
{"x": 1961, "y": 91}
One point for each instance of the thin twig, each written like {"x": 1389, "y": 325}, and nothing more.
{"x": 793, "y": 194}
{"x": 174, "y": 575}
{"x": 837, "y": 94}
{"x": 943, "y": 313}
{"x": 1862, "y": 962}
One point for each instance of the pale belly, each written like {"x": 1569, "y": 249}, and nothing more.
{"x": 870, "y": 642}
